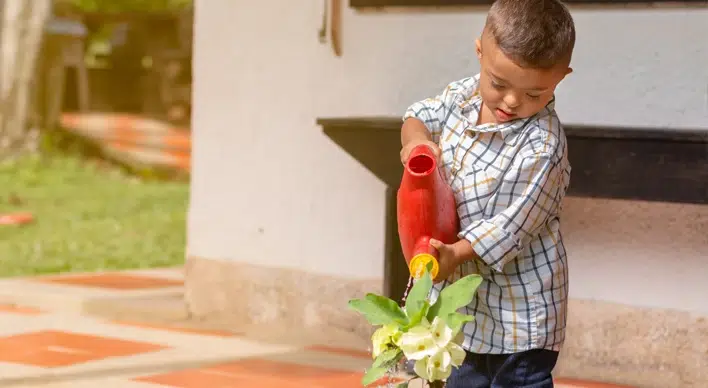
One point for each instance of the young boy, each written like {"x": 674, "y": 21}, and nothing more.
{"x": 503, "y": 151}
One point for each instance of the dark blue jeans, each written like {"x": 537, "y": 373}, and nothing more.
{"x": 531, "y": 369}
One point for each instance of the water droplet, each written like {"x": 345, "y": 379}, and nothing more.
{"x": 408, "y": 289}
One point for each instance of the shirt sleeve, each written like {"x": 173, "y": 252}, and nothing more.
{"x": 433, "y": 111}
{"x": 531, "y": 194}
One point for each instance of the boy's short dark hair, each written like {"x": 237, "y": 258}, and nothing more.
{"x": 532, "y": 33}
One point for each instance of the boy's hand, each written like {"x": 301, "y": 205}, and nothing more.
{"x": 406, "y": 150}
{"x": 451, "y": 256}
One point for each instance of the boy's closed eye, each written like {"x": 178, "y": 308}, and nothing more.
{"x": 499, "y": 86}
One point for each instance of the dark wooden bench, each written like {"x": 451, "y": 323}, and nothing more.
{"x": 667, "y": 165}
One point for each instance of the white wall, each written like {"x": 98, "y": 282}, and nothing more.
{"x": 269, "y": 188}
{"x": 640, "y": 253}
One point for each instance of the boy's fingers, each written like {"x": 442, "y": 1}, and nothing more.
{"x": 436, "y": 244}
{"x": 404, "y": 154}
{"x": 436, "y": 150}
{"x": 406, "y": 151}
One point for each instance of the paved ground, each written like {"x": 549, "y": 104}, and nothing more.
{"x": 79, "y": 331}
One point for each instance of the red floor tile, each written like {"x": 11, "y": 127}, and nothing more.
{"x": 258, "y": 373}
{"x": 201, "y": 378}
{"x": 56, "y": 348}
{"x": 572, "y": 383}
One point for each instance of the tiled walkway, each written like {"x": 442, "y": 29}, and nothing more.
{"x": 47, "y": 341}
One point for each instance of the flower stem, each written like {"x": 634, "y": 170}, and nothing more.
{"x": 437, "y": 384}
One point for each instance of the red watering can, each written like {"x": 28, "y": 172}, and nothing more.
{"x": 426, "y": 209}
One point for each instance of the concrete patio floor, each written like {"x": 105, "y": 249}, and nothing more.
{"x": 129, "y": 330}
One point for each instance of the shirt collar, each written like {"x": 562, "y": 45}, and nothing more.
{"x": 471, "y": 107}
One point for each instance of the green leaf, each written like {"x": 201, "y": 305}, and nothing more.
{"x": 418, "y": 294}
{"x": 372, "y": 375}
{"x": 379, "y": 310}
{"x": 388, "y": 306}
{"x": 402, "y": 385}
{"x": 418, "y": 317}
{"x": 433, "y": 310}
{"x": 383, "y": 363}
{"x": 456, "y": 295}
{"x": 456, "y": 320}
{"x": 388, "y": 358}
{"x": 370, "y": 311}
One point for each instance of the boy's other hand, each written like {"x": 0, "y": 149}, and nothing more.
{"x": 451, "y": 256}
{"x": 406, "y": 150}
{"x": 448, "y": 259}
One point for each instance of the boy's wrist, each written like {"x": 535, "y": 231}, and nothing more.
{"x": 414, "y": 130}
{"x": 464, "y": 251}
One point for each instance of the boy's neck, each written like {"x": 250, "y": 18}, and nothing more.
{"x": 485, "y": 115}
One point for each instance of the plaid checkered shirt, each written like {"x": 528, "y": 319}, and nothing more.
{"x": 509, "y": 181}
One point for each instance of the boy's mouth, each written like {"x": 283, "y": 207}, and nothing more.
{"x": 503, "y": 115}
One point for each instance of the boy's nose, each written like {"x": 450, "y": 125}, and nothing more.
{"x": 511, "y": 101}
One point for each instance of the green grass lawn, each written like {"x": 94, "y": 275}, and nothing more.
{"x": 88, "y": 217}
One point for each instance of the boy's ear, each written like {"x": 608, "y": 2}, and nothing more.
{"x": 564, "y": 74}
{"x": 478, "y": 48}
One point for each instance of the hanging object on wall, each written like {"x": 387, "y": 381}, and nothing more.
{"x": 332, "y": 18}
{"x": 322, "y": 33}
{"x": 336, "y": 27}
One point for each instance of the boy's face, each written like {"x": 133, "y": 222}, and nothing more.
{"x": 510, "y": 91}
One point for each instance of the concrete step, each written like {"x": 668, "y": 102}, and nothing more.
{"x": 99, "y": 292}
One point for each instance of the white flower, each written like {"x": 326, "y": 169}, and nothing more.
{"x": 436, "y": 367}
{"x": 441, "y": 332}
{"x": 418, "y": 342}
{"x": 457, "y": 354}
{"x": 384, "y": 337}
{"x": 435, "y": 349}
